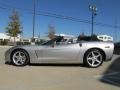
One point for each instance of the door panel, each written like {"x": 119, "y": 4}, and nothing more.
{"x": 60, "y": 53}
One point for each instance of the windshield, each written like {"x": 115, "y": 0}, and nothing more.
{"x": 50, "y": 42}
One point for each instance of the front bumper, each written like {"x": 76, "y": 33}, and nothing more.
{"x": 7, "y": 56}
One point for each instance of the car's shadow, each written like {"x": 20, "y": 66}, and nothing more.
{"x": 58, "y": 65}
{"x": 54, "y": 65}
{"x": 112, "y": 74}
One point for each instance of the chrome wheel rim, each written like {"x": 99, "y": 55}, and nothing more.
{"x": 19, "y": 58}
{"x": 94, "y": 58}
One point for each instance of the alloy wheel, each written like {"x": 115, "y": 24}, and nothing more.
{"x": 19, "y": 58}
{"x": 94, "y": 58}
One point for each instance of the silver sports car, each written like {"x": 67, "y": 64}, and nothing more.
{"x": 92, "y": 53}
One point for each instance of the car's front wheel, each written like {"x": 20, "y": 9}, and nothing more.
{"x": 19, "y": 58}
{"x": 93, "y": 58}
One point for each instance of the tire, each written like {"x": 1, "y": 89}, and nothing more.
{"x": 19, "y": 57}
{"x": 93, "y": 58}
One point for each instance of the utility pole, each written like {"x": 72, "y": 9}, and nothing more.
{"x": 39, "y": 36}
{"x": 93, "y": 10}
{"x": 115, "y": 39}
{"x": 34, "y": 13}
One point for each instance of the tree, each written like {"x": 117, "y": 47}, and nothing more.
{"x": 14, "y": 26}
{"x": 51, "y": 32}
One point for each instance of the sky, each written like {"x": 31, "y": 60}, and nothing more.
{"x": 108, "y": 13}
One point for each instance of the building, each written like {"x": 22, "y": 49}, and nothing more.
{"x": 5, "y": 36}
{"x": 25, "y": 40}
{"x": 105, "y": 38}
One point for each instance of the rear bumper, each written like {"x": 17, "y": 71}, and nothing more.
{"x": 108, "y": 59}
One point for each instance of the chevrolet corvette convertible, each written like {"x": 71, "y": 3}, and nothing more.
{"x": 90, "y": 53}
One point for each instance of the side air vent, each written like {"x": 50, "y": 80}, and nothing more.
{"x": 107, "y": 46}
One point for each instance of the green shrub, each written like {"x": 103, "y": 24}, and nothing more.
{"x": 19, "y": 43}
{"x": 23, "y": 43}
{"x": 26, "y": 43}
{"x": 4, "y": 42}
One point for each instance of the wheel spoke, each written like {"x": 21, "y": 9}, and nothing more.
{"x": 93, "y": 62}
{"x": 19, "y": 53}
{"x": 21, "y": 61}
{"x": 17, "y": 61}
{"x": 16, "y": 57}
{"x": 98, "y": 55}
{"x": 93, "y": 55}
{"x": 89, "y": 58}
{"x": 98, "y": 61}
{"x": 23, "y": 57}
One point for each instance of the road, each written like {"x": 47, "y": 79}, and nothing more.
{"x": 54, "y": 77}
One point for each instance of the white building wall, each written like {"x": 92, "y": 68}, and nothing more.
{"x": 4, "y": 36}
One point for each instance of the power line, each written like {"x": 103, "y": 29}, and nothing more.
{"x": 46, "y": 14}
{"x": 53, "y": 15}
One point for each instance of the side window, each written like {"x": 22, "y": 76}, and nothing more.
{"x": 61, "y": 41}
{"x": 48, "y": 43}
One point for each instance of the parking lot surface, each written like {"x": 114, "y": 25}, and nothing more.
{"x": 57, "y": 77}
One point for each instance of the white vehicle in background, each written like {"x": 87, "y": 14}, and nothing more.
{"x": 105, "y": 38}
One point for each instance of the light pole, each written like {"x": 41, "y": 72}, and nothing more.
{"x": 93, "y": 9}
{"x": 115, "y": 29}
{"x": 34, "y": 12}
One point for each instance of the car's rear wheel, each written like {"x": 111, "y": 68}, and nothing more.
{"x": 19, "y": 58}
{"x": 93, "y": 58}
